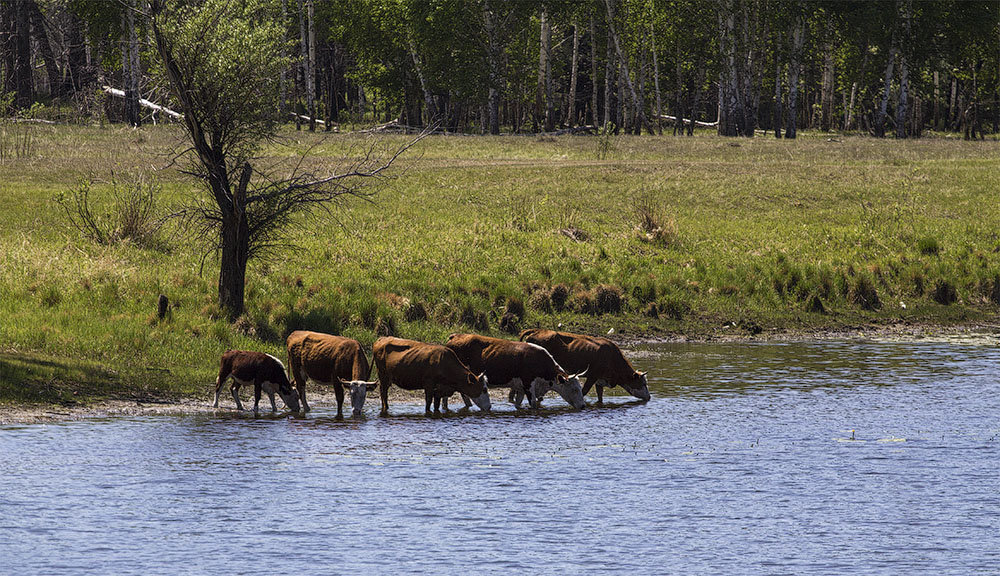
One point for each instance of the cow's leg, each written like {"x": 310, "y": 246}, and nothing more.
{"x": 428, "y": 398}
{"x": 338, "y": 389}
{"x": 223, "y": 376}
{"x": 587, "y": 385}
{"x": 516, "y": 397}
{"x": 600, "y": 394}
{"x": 234, "y": 388}
{"x": 256, "y": 397}
{"x": 444, "y": 404}
{"x": 300, "y": 379}
{"x": 383, "y": 390}
{"x": 467, "y": 400}
{"x": 274, "y": 407}
{"x": 437, "y": 404}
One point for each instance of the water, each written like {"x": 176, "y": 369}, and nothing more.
{"x": 803, "y": 458}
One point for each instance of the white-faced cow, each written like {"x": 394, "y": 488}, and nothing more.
{"x": 527, "y": 369}
{"x": 601, "y": 358}
{"x": 328, "y": 359}
{"x": 264, "y": 371}
{"x": 433, "y": 368}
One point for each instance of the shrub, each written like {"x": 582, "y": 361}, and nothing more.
{"x": 674, "y": 308}
{"x": 583, "y": 302}
{"x": 945, "y": 293}
{"x": 541, "y": 300}
{"x": 472, "y": 317}
{"x": 864, "y": 294}
{"x": 608, "y": 299}
{"x": 132, "y": 216}
{"x": 559, "y": 296}
{"x": 815, "y": 305}
{"x": 415, "y": 311}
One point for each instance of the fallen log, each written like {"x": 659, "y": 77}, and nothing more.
{"x": 687, "y": 121}
{"x": 146, "y": 103}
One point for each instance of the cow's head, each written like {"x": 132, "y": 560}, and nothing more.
{"x": 637, "y": 386}
{"x": 567, "y": 386}
{"x": 358, "y": 390}
{"x": 480, "y": 385}
{"x": 289, "y": 395}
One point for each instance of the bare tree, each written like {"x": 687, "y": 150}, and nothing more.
{"x": 228, "y": 95}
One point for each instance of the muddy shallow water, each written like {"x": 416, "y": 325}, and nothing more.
{"x": 777, "y": 458}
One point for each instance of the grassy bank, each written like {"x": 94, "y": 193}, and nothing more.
{"x": 653, "y": 236}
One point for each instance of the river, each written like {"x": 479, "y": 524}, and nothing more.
{"x": 832, "y": 457}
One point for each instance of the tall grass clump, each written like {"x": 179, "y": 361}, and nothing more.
{"x": 131, "y": 216}
{"x": 653, "y": 225}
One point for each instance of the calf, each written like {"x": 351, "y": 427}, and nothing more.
{"x": 433, "y": 368}
{"x": 527, "y": 369}
{"x": 328, "y": 359}
{"x": 601, "y": 358}
{"x": 266, "y": 372}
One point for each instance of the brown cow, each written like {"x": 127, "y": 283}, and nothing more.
{"x": 433, "y": 368}
{"x": 328, "y": 359}
{"x": 266, "y": 372}
{"x": 527, "y": 369}
{"x": 601, "y": 358}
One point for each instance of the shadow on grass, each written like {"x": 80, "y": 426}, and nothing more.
{"x": 32, "y": 378}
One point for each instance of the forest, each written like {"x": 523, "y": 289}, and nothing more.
{"x": 741, "y": 67}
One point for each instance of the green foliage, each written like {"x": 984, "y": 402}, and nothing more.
{"x": 232, "y": 55}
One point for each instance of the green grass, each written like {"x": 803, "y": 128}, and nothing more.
{"x": 696, "y": 236}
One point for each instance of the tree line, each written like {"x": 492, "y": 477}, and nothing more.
{"x": 885, "y": 67}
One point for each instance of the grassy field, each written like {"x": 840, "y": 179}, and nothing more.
{"x": 652, "y": 236}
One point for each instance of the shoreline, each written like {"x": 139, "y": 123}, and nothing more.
{"x": 44, "y": 413}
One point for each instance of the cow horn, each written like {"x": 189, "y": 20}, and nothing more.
{"x": 584, "y": 373}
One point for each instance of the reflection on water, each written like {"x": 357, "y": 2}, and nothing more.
{"x": 800, "y": 458}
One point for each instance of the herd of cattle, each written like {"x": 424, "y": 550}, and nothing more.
{"x": 468, "y": 364}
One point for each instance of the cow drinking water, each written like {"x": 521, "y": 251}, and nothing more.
{"x": 601, "y": 358}
{"x": 264, "y": 371}
{"x": 433, "y": 368}
{"x": 527, "y": 369}
{"x": 329, "y": 359}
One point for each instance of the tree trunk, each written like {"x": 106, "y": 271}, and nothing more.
{"x": 826, "y": 122}
{"x": 235, "y": 249}
{"x": 40, "y": 32}
{"x": 494, "y": 53}
{"x": 22, "y": 78}
{"x": 79, "y": 70}
{"x": 696, "y": 94}
{"x": 283, "y": 79}
{"x": 729, "y": 109}
{"x": 798, "y": 38}
{"x": 778, "y": 104}
{"x": 937, "y": 100}
{"x": 130, "y": 65}
{"x": 609, "y": 82}
{"x": 571, "y": 114}
{"x": 656, "y": 80}
{"x": 679, "y": 97}
{"x": 636, "y": 102}
{"x": 904, "y": 9}
{"x": 593, "y": 74}
{"x": 310, "y": 70}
